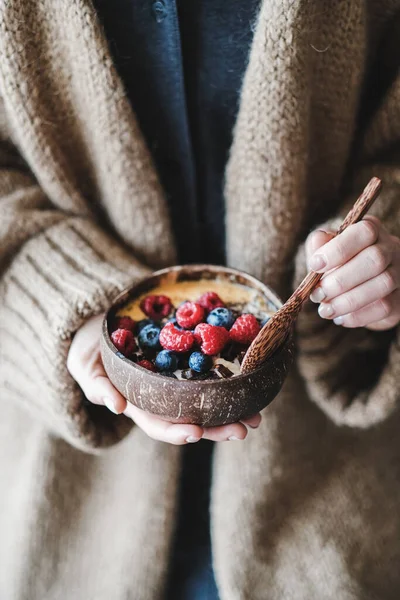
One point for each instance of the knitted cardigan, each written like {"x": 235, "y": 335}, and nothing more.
{"x": 307, "y": 507}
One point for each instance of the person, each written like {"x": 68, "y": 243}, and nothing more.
{"x": 137, "y": 135}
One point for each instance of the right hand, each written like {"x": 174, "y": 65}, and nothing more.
{"x": 85, "y": 365}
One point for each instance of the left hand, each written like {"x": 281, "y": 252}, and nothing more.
{"x": 361, "y": 281}
{"x": 85, "y": 366}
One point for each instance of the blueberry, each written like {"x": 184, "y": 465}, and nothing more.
{"x": 143, "y": 323}
{"x": 222, "y": 317}
{"x": 200, "y": 363}
{"x": 149, "y": 337}
{"x": 166, "y": 361}
{"x": 175, "y": 322}
{"x": 264, "y": 321}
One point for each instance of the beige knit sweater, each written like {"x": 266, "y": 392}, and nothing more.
{"x": 307, "y": 508}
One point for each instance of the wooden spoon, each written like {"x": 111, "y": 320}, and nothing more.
{"x": 275, "y": 331}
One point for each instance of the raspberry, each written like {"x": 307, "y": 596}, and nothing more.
{"x": 146, "y": 364}
{"x": 125, "y": 323}
{"x": 211, "y": 338}
{"x": 124, "y": 341}
{"x": 210, "y": 300}
{"x": 175, "y": 339}
{"x": 244, "y": 329}
{"x": 189, "y": 315}
{"x": 156, "y": 307}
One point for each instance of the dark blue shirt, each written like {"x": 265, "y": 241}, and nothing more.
{"x": 182, "y": 63}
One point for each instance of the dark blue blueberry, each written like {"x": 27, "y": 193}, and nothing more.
{"x": 175, "y": 322}
{"x": 143, "y": 323}
{"x": 264, "y": 321}
{"x": 222, "y": 317}
{"x": 166, "y": 361}
{"x": 149, "y": 337}
{"x": 199, "y": 362}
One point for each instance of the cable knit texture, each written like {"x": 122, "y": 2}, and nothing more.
{"x": 304, "y": 509}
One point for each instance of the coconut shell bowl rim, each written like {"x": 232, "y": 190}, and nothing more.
{"x": 150, "y": 282}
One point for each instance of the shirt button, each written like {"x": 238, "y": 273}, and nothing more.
{"x": 159, "y": 10}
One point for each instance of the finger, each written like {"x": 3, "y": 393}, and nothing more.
{"x": 369, "y": 263}
{"x": 163, "y": 431}
{"x": 102, "y": 391}
{"x": 224, "y": 433}
{"x": 316, "y": 239}
{"x": 345, "y": 246}
{"x": 253, "y": 421}
{"x": 385, "y": 308}
{"x": 98, "y": 389}
{"x": 362, "y": 295}
{"x": 384, "y": 324}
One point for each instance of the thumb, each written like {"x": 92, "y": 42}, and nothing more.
{"x": 316, "y": 239}
{"x": 98, "y": 389}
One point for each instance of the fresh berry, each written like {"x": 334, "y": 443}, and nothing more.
{"x": 142, "y": 324}
{"x": 146, "y": 364}
{"x": 156, "y": 307}
{"x": 211, "y": 338}
{"x": 166, "y": 361}
{"x": 265, "y": 321}
{"x": 210, "y": 300}
{"x": 189, "y": 315}
{"x": 245, "y": 329}
{"x": 175, "y": 322}
{"x": 149, "y": 337}
{"x": 199, "y": 362}
{"x": 222, "y": 317}
{"x": 124, "y": 341}
{"x": 175, "y": 339}
{"x": 125, "y": 323}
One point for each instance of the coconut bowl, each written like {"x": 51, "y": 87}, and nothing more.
{"x": 201, "y": 402}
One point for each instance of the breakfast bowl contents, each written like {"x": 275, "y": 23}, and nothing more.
{"x": 173, "y": 345}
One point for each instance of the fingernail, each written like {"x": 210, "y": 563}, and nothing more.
{"x": 252, "y": 426}
{"x": 317, "y": 262}
{"x": 318, "y": 295}
{"x": 192, "y": 440}
{"x": 338, "y": 321}
{"x": 325, "y": 311}
{"x": 233, "y": 438}
{"x": 109, "y": 402}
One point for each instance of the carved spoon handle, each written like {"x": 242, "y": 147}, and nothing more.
{"x": 360, "y": 208}
{"x": 274, "y": 332}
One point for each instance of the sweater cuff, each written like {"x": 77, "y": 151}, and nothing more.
{"x": 351, "y": 374}
{"x": 59, "y": 279}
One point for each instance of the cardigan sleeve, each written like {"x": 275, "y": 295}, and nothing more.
{"x": 352, "y": 374}
{"x": 56, "y": 271}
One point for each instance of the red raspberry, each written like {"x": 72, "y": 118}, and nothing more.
{"x": 175, "y": 339}
{"x": 211, "y": 338}
{"x": 189, "y": 315}
{"x": 210, "y": 300}
{"x": 125, "y": 323}
{"x": 146, "y": 364}
{"x": 156, "y": 307}
{"x": 244, "y": 329}
{"x": 124, "y": 341}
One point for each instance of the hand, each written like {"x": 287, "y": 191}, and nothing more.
{"x": 85, "y": 365}
{"x": 361, "y": 266}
